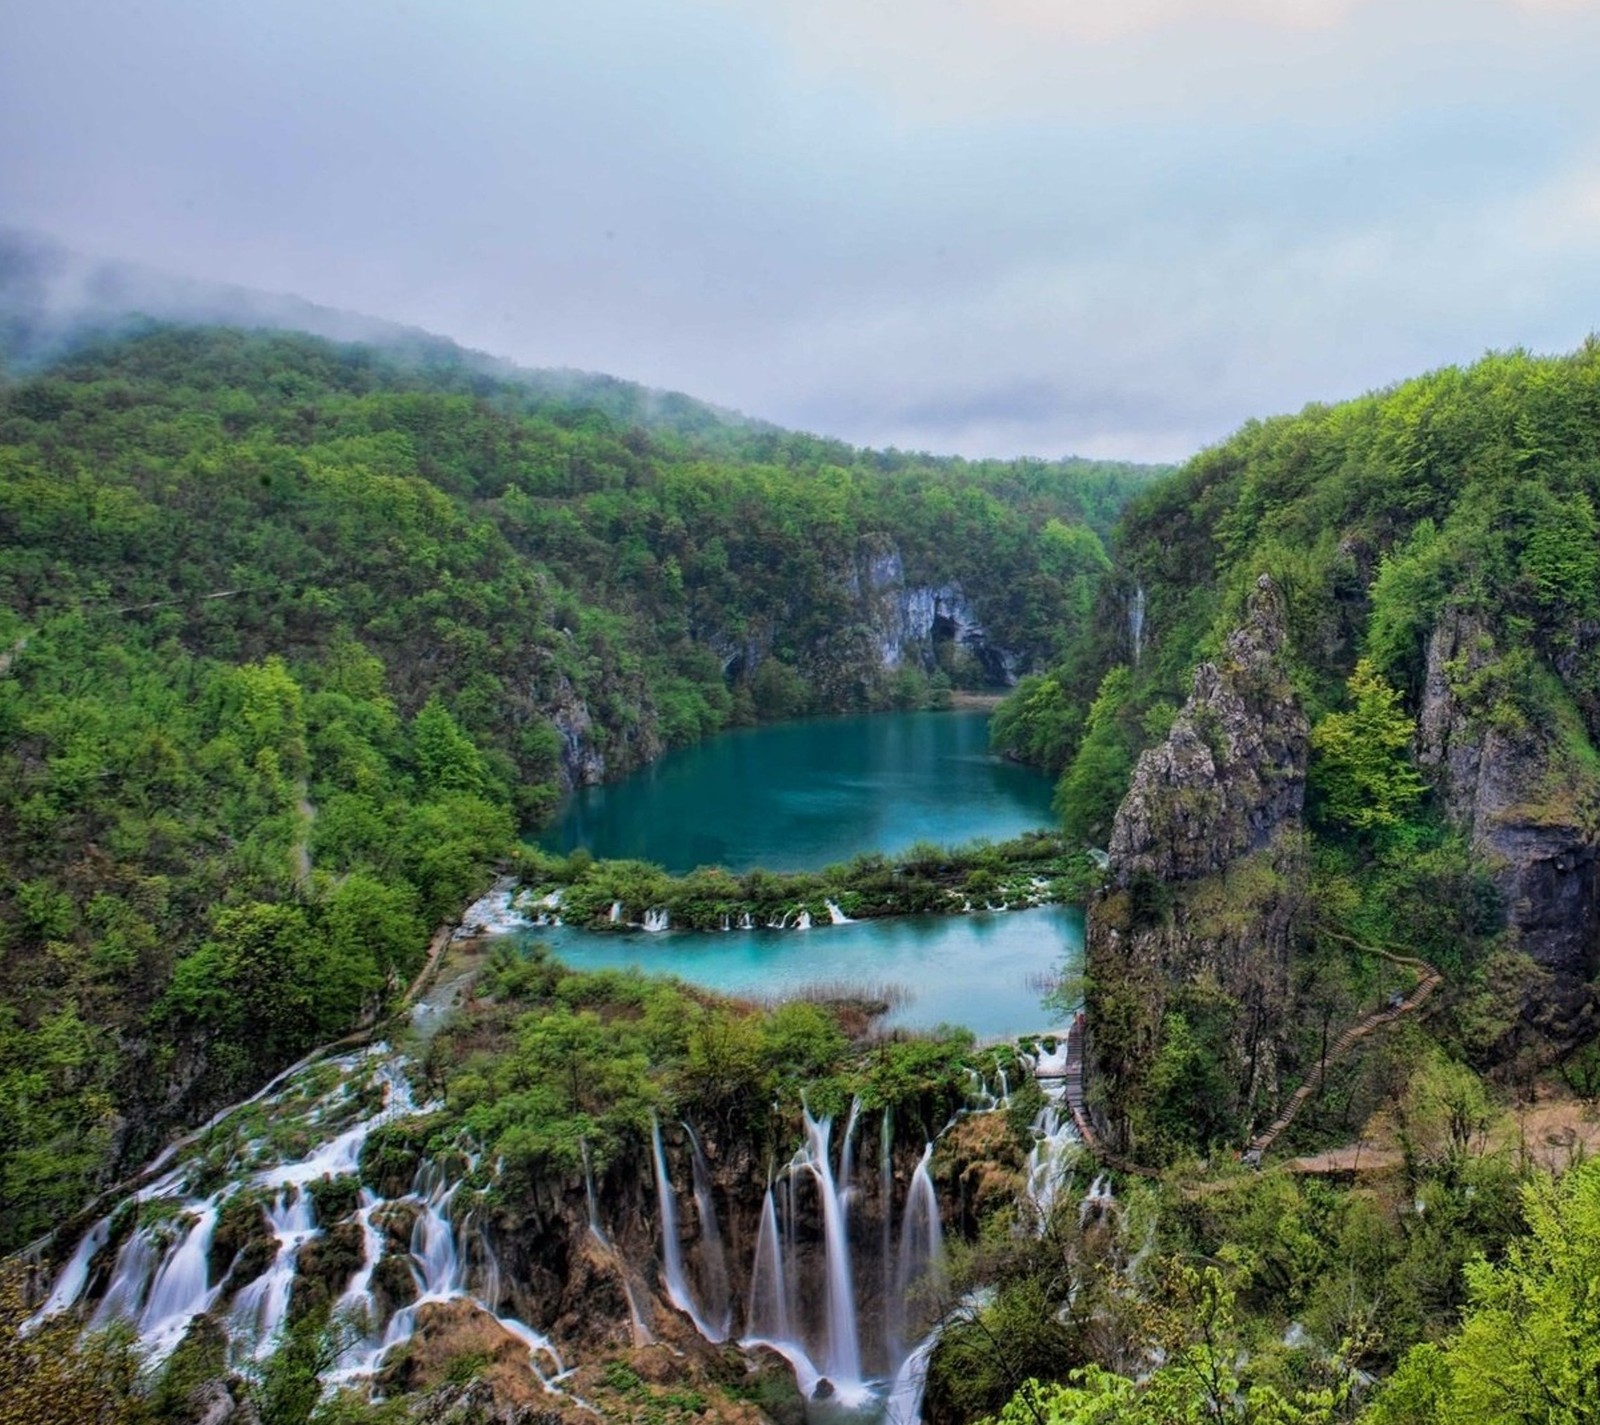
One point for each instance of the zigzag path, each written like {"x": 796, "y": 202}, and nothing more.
{"x": 1429, "y": 980}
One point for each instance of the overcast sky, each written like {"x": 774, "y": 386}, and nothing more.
{"x": 1105, "y": 227}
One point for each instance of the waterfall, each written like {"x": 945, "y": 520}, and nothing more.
{"x": 885, "y": 1204}
{"x": 768, "y": 1314}
{"x": 714, "y": 1263}
{"x": 182, "y": 1288}
{"x": 809, "y": 1282}
{"x": 842, "y": 1363}
{"x": 847, "y": 1156}
{"x": 358, "y": 1295}
{"x": 657, "y": 918}
{"x": 615, "y": 915}
{"x": 588, "y": 1192}
{"x": 921, "y": 1254}
{"x": 130, "y": 1280}
{"x": 260, "y": 1308}
{"x": 1136, "y": 622}
{"x": 673, "y": 1279}
{"x": 1097, "y": 1199}
{"x": 160, "y": 1280}
{"x": 803, "y": 920}
{"x": 73, "y": 1277}
{"x": 837, "y": 916}
{"x": 904, "y": 1403}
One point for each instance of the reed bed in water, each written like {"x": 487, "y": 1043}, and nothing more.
{"x": 882, "y": 997}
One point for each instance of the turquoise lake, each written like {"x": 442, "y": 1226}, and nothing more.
{"x": 981, "y": 971}
{"x": 803, "y": 795}
{"x": 798, "y": 796}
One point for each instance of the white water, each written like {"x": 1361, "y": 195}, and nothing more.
{"x": 920, "y": 1263}
{"x": 1057, "y": 1146}
{"x": 837, "y": 916}
{"x": 767, "y": 1315}
{"x": 672, "y": 1277}
{"x": 657, "y": 919}
{"x": 74, "y": 1276}
{"x": 160, "y": 1280}
{"x": 903, "y": 1405}
{"x": 714, "y": 1262}
{"x": 1136, "y": 622}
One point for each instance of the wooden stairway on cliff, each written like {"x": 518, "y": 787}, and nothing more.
{"x": 1071, "y": 1076}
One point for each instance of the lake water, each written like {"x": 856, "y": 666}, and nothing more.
{"x": 798, "y": 796}
{"x": 981, "y": 971}
{"x": 803, "y": 795}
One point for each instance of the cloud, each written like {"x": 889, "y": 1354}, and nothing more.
{"x": 990, "y": 227}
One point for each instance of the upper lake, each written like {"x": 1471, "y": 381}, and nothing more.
{"x": 798, "y": 796}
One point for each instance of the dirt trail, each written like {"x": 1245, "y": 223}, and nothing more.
{"x": 1430, "y": 980}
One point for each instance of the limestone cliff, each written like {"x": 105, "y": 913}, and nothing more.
{"x": 1189, "y": 940}
{"x": 1528, "y": 798}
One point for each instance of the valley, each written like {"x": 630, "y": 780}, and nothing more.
{"x": 738, "y": 1094}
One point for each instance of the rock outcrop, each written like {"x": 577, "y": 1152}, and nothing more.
{"x": 1529, "y": 802}
{"x": 1206, "y": 863}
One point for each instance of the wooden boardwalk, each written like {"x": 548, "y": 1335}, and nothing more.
{"x": 1071, "y": 1077}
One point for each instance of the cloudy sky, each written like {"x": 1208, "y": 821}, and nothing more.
{"x": 1109, "y": 227}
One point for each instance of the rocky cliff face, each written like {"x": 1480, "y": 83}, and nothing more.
{"x": 1530, "y": 804}
{"x": 877, "y": 624}
{"x": 909, "y": 621}
{"x": 1190, "y": 937}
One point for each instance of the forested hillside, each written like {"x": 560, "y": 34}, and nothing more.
{"x": 295, "y": 637}
{"x": 1435, "y": 564}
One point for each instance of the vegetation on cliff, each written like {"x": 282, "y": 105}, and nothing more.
{"x": 1434, "y": 549}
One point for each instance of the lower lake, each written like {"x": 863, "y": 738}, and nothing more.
{"x": 982, "y": 971}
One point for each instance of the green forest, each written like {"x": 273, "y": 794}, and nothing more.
{"x": 296, "y": 638}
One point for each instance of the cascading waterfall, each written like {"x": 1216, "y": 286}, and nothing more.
{"x": 673, "y": 1279}
{"x": 1136, "y": 622}
{"x": 808, "y": 1309}
{"x": 837, "y": 916}
{"x": 260, "y": 1308}
{"x": 74, "y": 1276}
{"x": 842, "y": 1364}
{"x": 804, "y": 1296}
{"x": 885, "y": 1196}
{"x": 130, "y": 1280}
{"x": 160, "y": 1279}
{"x": 657, "y": 919}
{"x": 714, "y": 1263}
{"x": 1056, "y": 1146}
{"x": 767, "y": 1316}
{"x": 920, "y": 1261}
{"x": 181, "y": 1290}
{"x": 589, "y": 1195}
